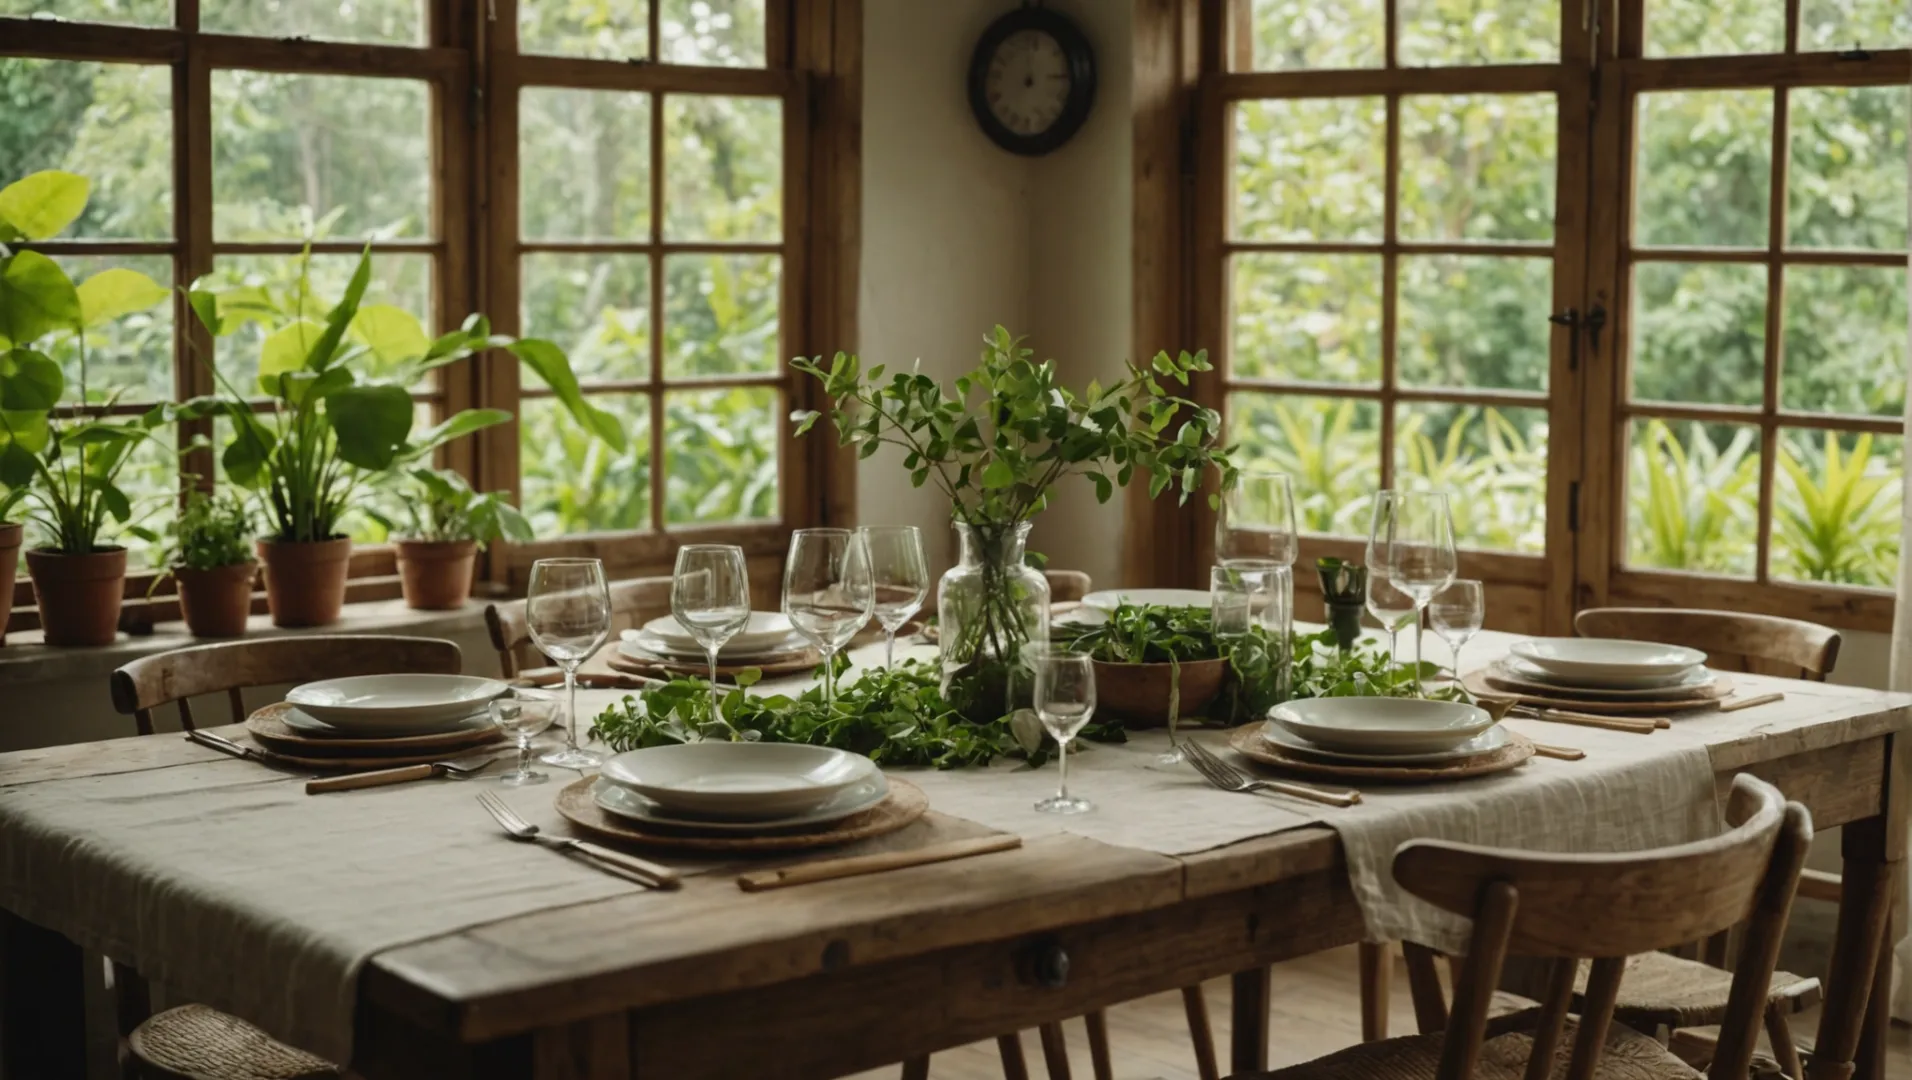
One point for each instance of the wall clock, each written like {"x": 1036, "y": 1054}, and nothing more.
{"x": 1032, "y": 80}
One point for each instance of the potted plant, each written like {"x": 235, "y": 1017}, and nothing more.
{"x": 995, "y": 446}
{"x": 62, "y": 458}
{"x": 1153, "y": 664}
{"x": 211, "y": 560}
{"x": 340, "y": 414}
{"x": 449, "y": 524}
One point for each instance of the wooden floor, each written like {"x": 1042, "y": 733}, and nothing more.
{"x": 1315, "y": 1012}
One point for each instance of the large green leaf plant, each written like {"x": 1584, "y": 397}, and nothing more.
{"x": 61, "y": 456}
{"x": 332, "y": 409}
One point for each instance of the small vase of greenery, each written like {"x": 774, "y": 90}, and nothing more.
{"x": 448, "y": 524}
{"x": 996, "y": 445}
{"x": 211, "y": 560}
{"x": 1153, "y": 664}
{"x": 62, "y": 448}
{"x": 1344, "y": 590}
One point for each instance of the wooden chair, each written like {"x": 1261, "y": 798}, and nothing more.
{"x": 145, "y": 684}
{"x": 1566, "y": 908}
{"x": 195, "y": 1042}
{"x": 633, "y": 603}
{"x": 1066, "y": 586}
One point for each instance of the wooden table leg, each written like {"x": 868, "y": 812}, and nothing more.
{"x": 1200, "y": 1034}
{"x": 1377, "y": 967}
{"x": 1055, "y": 1051}
{"x": 42, "y": 1003}
{"x": 1100, "y": 1064}
{"x": 1009, "y": 1047}
{"x": 1865, "y": 911}
{"x": 1248, "y": 1042}
{"x": 916, "y": 1069}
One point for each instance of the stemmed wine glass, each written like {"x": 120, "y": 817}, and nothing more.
{"x": 710, "y": 596}
{"x": 900, "y": 577}
{"x": 1065, "y": 700}
{"x": 1413, "y": 540}
{"x": 569, "y": 612}
{"x": 827, "y": 592}
{"x": 523, "y": 718}
{"x": 1390, "y": 606}
{"x": 1457, "y": 613}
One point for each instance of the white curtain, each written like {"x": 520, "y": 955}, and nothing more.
{"x": 1902, "y": 680}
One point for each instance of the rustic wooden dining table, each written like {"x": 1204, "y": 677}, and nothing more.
{"x": 838, "y": 976}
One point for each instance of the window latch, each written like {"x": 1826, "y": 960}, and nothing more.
{"x": 1592, "y": 321}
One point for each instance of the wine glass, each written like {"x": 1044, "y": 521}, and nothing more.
{"x": 1457, "y": 612}
{"x": 523, "y": 718}
{"x": 1257, "y": 521}
{"x": 569, "y": 612}
{"x": 1391, "y": 607}
{"x": 1413, "y": 539}
{"x": 827, "y": 592}
{"x": 1065, "y": 700}
{"x": 710, "y": 596}
{"x": 900, "y": 577}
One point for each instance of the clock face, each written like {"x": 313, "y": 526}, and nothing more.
{"x": 1032, "y": 80}
{"x": 1028, "y": 82}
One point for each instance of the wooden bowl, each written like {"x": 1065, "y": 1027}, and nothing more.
{"x": 1137, "y": 694}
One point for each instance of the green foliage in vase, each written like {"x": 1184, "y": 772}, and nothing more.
{"x": 212, "y": 531}
{"x": 440, "y": 506}
{"x": 61, "y": 457}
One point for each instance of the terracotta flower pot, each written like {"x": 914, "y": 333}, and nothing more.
{"x": 10, "y": 536}
{"x": 305, "y": 581}
{"x": 436, "y": 574}
{"x": 79, "y": 595}
{"x": 1137, "y": 694}
{"x": 216, "y": 602}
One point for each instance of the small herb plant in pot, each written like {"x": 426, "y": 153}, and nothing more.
{"x": 61, "y": 456}
{"x": 450, "y": 523}
{"x": 211, "y": 560}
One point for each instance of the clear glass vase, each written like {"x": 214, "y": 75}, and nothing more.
{"x": 991, "y": 606}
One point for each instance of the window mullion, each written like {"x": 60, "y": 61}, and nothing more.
{"x": 658, "y": 490}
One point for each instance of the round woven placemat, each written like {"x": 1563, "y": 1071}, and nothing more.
{"x": 661, "y": 668}
{"x": 1248, "y": 742}
{"x": 1720, "y": 686}
{"x": 1479, "y": 684}
{"x": 267, "y": 727}
{"x": 906, "y": 803}
{"x": 348, "y": 760}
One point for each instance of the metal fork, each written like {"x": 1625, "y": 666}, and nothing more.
{"x": 1228, "y": 778}
{"x": 630, "y": 867}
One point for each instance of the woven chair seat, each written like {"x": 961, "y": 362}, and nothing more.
{"x": 205, "y": 1044}
{"x": 1628, "y": 1056}
{"x": 1660, "y": 988}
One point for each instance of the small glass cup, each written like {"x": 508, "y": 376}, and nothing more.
{"x": 523, "y": 718}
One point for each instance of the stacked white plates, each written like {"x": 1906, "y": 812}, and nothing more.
{"x": 1608, "y": 664}
{"x": 1399, "y": 731}
{"x": 768, "y": 633}
{"x": 739, "y": 787}
{"x": 392, "y": 705}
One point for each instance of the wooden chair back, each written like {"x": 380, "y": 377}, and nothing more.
{"x": 1731, "y": 640}
{"x": 1066, "y": 585}
{"x": 229, "y": 667}
{"x": 1566, "y": 908}
{"x": 633, "y": 603}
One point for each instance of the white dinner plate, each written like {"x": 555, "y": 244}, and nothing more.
{"x": 319, "y": 729}
{"x": 626, "y": 803}
{"x": 765, "y": 630}
{"x": 386, "y": 703}
{"x": 1615, "y": 686}
{"x": 1607, "y": 658}
{"x": 741, "y": 781}
{"x": 1492, "y": 739}
{"x": 1382, "y": 725}
{"x": 1110, "y": 599}
{"x": 645, "y": 647}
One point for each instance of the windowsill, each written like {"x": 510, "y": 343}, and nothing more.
{"x": 25, "y": 660}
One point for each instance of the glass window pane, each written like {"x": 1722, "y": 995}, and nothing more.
{"x": 726, "y": 33}
{"x": 1699, "y": 332}
{"x": 390, "y": 22}
{"x": 1331, "y": 447}
{"x": 596, "y": 306}
{"x": 1846, "y": 187}
{"x": 111, "y": 123}
{"x": 322, "y": 156}
{"x": 121, "y": 12}
{"x": 1475, "y": 321}
{"x": 720, "y": 315}
{"x": 132, "y": 355}
{"x": 403, "y": 281}
{"x": 150, "y": 479}
{"x": 1443, "y": 32}
{"x": 1477, "y": 167}
{"x": 1837, "y": 25}
{"x": 1310, "y": 169}
{"x": 1704, "y": 168}
{"x": 584, "y": 164}
{"x": 1310, "y": 318}
{"x": 1710, "y": 28}
{"x": 1845, "y": 339}
{"x": 721, "y": 449}
{"x": 1298, "y": 34}
{"x": 1491, "y": 462}
{"x": 615, "y": 29}
{"x": 1836, "y": 498}
{"x": 1693, "y": 496}
{"x": 723, "y": 168}
{"x": 573, "y": 483}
